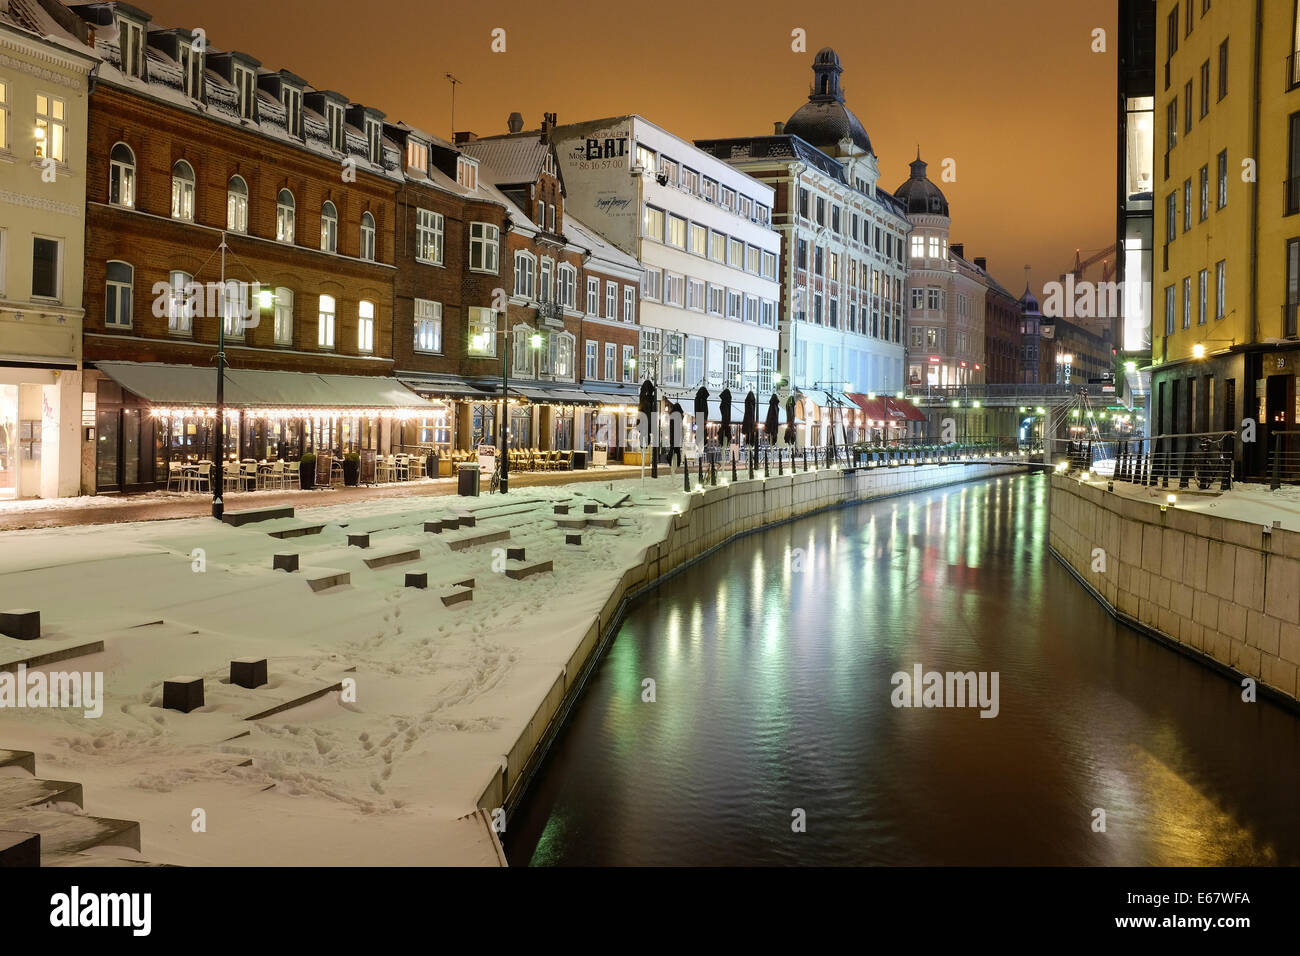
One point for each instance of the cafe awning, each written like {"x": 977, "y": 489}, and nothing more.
{"x": 441, "y": 386}
{"x": 187, "y": 386}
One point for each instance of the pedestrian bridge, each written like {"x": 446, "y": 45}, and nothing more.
{"x": 1009, "y": 396}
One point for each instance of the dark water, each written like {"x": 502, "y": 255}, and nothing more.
{"x": 773, "y": 693}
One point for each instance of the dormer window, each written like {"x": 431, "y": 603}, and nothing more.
{"x": 417, "y": 156}
{"x": 293, "y": 111}
{"x": 374, "y": 139}
{"x": 467, "y": 172}
{"x": 131, "y": 43}
{"x": 548, "y": 165}
{"x": 191, "y": 64}
{"x": 334, "y": 121}
{"x": 246, "y": 87}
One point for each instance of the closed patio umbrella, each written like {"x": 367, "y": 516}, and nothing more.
{"x": 646, "y": 406}
{"x": 789, "y": 420}
{"x": 773, "y": 421}
{"x": 724, "y": 401}
{"x": 749, "y": 427}
{"x": 701, "y": 416}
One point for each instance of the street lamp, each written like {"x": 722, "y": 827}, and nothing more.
{"x": 481, "y": 341}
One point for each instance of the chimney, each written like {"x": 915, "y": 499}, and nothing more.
{"x": 465, "y": 136}
{"x": 778, "y": 128}
{"x": 982, "y": 263}
{"x": 548, "y": 124}
{"x": 515, "y": 123}
{"x": 958, "y": 249}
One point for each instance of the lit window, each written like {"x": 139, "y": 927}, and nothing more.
{"x": 119, "y": 295}
{"x": 325, "y": 321}
{"x": 367, "y": 237}
{"x": 329, "y": 228}
{"x": 568, "y": 286}
{"x": 482, "y": 339}
{"x": 467, "y": 172}
{"x": 283, "y": 316}
{"x": 428, "y": 236}
{"x": 190, "y": 60}
{"x": 428, "y": 326}
{"x": 51, "y": 125}
{"x": 677, "y": 232}
{"x": 237, "y": 205}
{"x": 284, "y": 216}
{"x": 183, "y": 191}
{"x": 417, "y": 156}
{"x": 182, "y": 300}
{"x": 366, "y": 327}
{"x": 653, "y": 224}
{"x": 121, "y": 174}
{"x": 525, "y": 279}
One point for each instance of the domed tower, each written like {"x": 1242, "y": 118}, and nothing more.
{"x": 827, "y": 123}
{"x": 927, "y": 209}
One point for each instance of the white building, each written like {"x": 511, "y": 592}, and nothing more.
{"x": 844, "y": 269}
{"x": 701, "y": 230}
{"x": 44, "y": 71}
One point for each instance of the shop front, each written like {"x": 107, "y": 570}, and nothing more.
{"x": 149, "y": 416}
{"x": 39, "y": 418}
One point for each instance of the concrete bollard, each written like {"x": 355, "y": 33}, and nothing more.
{"x": 514, "y": 554}
{"x": 358, "y": 541}
{"x": 417, "y": 579}
{"x": 284, "y": 561}
{"x": 573, "y": 539}
{"x": 21, "y": 623}
{"x": 247, "y": 672}
{"x": 183, "y": 693}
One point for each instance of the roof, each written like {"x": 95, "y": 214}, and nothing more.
{"x": 31, "y": 16}
{"x": 825, "y": 120}
{"x": 595, "y": 245}
{"x": 509, "y": 160}
{"x": 921, "y": 195}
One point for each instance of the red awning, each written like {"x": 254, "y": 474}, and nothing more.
{"x": 893, "y": 411}
{"x": 901, "y": 408}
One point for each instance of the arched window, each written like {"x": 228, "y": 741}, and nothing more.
{"x": 329, "y": 228}
{"x": 283, "y": 316}
{"x": 183, "y": 191}
{"x": 562, "y": 356}
{"x": 121, "y": 176}
{"x": 237, "y": 205}
{"x": 284, "y": 216}
{"x": 522, "y": 351}
{"x": 119, "y": 295}
{"x": 367, "y": 237}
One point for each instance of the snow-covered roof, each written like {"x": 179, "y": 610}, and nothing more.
{"x": 596, "y": 246}
{"x": 31, "y": 16}
{"x": 509, "y": 160}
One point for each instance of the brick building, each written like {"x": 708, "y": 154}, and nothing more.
{"x": 190, "y": 146}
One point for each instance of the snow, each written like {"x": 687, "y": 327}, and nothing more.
{"x": 440, "y": 693}
{"x": 1252, "y": 503}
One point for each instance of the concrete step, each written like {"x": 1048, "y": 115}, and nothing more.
{"x": 53, "y": 656}
{"x": 393, "y": 557}
{"x": 295, "y": 702}
{"x": 70, "y": 832}
{"x": 322, "y": 579}
{"x": 524, "y": 570}
{"x": 476, "y": 538}
{"x": 297, "y": 530}
{"x": 24, "y": 759}
{"x": 237, "y": 519}
{"x": 30, "y": 792}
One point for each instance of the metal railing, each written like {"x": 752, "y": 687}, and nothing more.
{"x": 1021, "y": 391}
{"x": 1283, "y": 458}
{"x": 1201, "y": 458}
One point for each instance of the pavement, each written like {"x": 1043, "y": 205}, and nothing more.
{"x": 160, "y": 505}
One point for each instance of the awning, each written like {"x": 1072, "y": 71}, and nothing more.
{"x": 189, "y": 385}
{"x": 909, "y": 411}
{"x": 448, "y": 386}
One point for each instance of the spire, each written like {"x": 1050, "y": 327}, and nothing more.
{"x": 826, "y": 77}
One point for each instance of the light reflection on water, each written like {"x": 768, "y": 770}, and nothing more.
{"x": 773, "y": 693}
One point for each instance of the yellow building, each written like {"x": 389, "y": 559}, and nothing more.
{"x": 1226, "y": 280}
{"x": 44, "y": 74}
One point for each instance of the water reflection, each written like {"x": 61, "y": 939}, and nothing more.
{"x": 773, "y": 686}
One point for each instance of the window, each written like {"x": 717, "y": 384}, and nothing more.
{"x": 695, "y": 294}
{"x": 767, "y": 316}
{"x": 1220, "y": 288}
{"x": 934, "y": 299}
{"x": 568, "y": 286}
{"x": 677, "y": 232}
{"x": 694, "y": 360}
{"x": 334, "y": 123}
{"x": 652, "y": 284}
{"x": 428, "y": 236}
{"x": 293, "y": 110}
{"x": 751, "y": 308}
{"x": 428, "y": 326}
{"x": 47, "y": 268}
{"x": 699, "y": 238}
{"x": 668, "y": 169}
{"x": 735, "y": 304}
{"x": 610, "y": 361}
{"x": 367, "y": 237}
{"x": 753, "y": 259}
{"x": 183, "y": 191}
{"x": 417, "y": 156}
{"x": 1171, "y": 24}
{"x": 1171, "y": 217}
{"x": 121, "y": 168}
{"x": 593, "y": 295}
{"x": 235, "y": 308}
{"x": 325, "y": 322}
{"x": 1171, "y": 124}
{"x": 1187, "y": 204}
{"x": 524, "y": 277}
{"x": 710, "y": 190}
{"x": 374, "y": 140}
{"x": 652, "y": 223}
{"x": 917, "y": 333}
{"x": 918, "y": 298}
{"x": 1187, "y": 302}
{"x": 545, "y": 274}
{"x": 735, "y": 253}
{"x": 611, "y": 300}
{"x": 918, "y": 247}
{"x": 769, "y": 265}
{"x": 936, "y": 249}
{"x": 366, "y": 327}
{"x": 728, "y": 199}
{"x": 1205, "y": 89}
{"x": 1292, "y": 287}
{"x": 716, "y": 298}
{"x": 717, "y": 247}
{"x": 1223, "y": 69}
{"x": 561, "y": 356}
{"x": 1187, "y": 107}
{"x": 629, "y": 363}
{"x": 1223, "y": 179}
{"x": 329, "y": 228}
{"x": 629, "y": 304}
{"x": 674, "y": 289}
{"x": 645, "y": 158}
{"x": 482, "y": 332}
{"x": 1203, "y": 288}
{"x": 119, "y": 296}
{"x": 589, "y": 365}
{"x": 181, "y": 303}
{"x": 484, "y": 245}
{"x": 284, "y": 216}
{"x": 821, "y": 211}
{"x": 246, "y": 86}
{"x": 237, "y": 204}
{"x": 1205, "y": 193}
{"x": 1171, "y": 303}
{"x": 283, "y": 316}
{"x": 731, "y": 364}
{"x": 131, "y": 43}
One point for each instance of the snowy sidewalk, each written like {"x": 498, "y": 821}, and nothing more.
{"x": 158, "y": 505}
{"x": 1252, "y": 503}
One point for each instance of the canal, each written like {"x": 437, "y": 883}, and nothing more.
{"x": 773, "y": 664}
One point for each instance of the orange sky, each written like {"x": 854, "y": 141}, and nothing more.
{"x": 1009, "y": 89}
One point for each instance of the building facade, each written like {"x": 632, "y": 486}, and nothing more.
{"x": 843, "y": 241}
{"x": 1227, "y": 272}
{"x": 44, "y": 73}
{"x": 226, "y": 200}
{"x": 701, "y": 231}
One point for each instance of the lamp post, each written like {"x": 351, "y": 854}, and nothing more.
{"x": 218, "y": 458}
